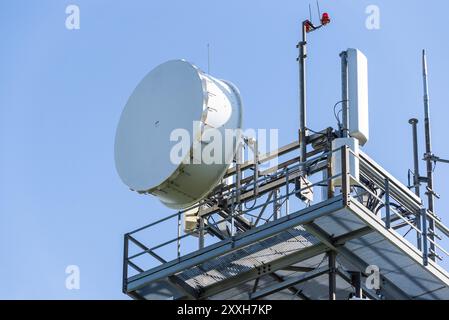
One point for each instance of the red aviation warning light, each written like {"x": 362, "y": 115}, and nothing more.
{"x": 325, "y": 19}
{"x": 309, "y": 26}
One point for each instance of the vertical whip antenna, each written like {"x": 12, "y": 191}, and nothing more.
{"x": 208, "y": 58}
{"x": 310, "y": 13}
{"x": 318, "y": 9}
{"x": 428, "y": 156}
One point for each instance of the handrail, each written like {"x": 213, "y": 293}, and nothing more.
{"x": 394, "y": 194}
{"x": 209, "y": 226}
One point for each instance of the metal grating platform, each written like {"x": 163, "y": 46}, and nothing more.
{"x": 256, "y": 255}
{"x": 400, "y": 263}
{"x": 313, "y": 253}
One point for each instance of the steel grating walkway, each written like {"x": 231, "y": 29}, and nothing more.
{"x": 254, "y": 256}
{"x": 400, "y": 262}
{"x": 286, "y": 258}
{"x": 227, "y": 269}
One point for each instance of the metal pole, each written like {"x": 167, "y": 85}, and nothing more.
{"x": 201, "y": 233}
{"x": 356, "y": 279}
{"x": 238, "y": 185}
{"x": 330, "y": 182}
{"x": 387, "y": 204}
{"x": 416, "y": 175}
{"x": 424, "y": 235}
{"x": 332, "y": 275}
{"x": 344, "y": 93}
{"x": 125, "y": 263}
{"x": 428, "y": 155}
{"x": 345, "y": 182}
{"x": 276, "y": 204}
{"x": 302, "y": 94}
{"x": 256, "y": 167}
{"x": 287, "y": 193}
{"x": 179, "y": 236}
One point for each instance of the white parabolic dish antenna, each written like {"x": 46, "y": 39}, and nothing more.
{"x": 176, "y": 95}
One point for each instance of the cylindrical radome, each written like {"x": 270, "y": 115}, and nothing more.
{"x": 178, "y": 134}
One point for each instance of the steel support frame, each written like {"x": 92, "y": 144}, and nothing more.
{"x": 429, "y": 166}
{"x": 416, "y": 175}
{"x": 288, "y": 283}
{"x": 254, "y": 274}
{"x": 356, "y": 280}
{"x": 326, "y": 244}
{"x": 239, "y": 241}
{"x": 344, "y": 94}
{"x": 324, "y": 247}
{"x": 332, "y": 271}
{"x": 337, "y": 246}
{"x": 302, "y": 46}
{"x": 360, "y": 289}
{"x": 306, "y": 218}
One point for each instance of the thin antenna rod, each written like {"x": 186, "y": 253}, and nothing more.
{"x": 208, "y": 58}
{"x": 318, "y": 8}
{"x": 302, "y": 46}
{"x": 428, "y": 155}
{"x": 310, "y": 13}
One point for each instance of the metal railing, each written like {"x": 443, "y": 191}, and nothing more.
{"x": 383, "y": 195}
{"x": 402, "y": 209}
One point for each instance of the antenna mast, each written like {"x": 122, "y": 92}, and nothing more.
{"x": 306, "y": 27}
{"x": 302, "y": 92}
{"x": 428, "y": 155}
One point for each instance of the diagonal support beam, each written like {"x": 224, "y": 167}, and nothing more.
{"x": 347, "y": 277}
{"x": 190, "y": 292}
{"x": 254, "y": 273}
{"x": 292, "y": 289}
{"x": 288, "y": 283}
{"x": 239, "y": 241}
{"x": 352, "y": 258}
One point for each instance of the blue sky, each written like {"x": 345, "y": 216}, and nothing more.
{"x": 62, "y": 92}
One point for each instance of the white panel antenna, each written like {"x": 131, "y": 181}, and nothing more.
{"x": 358, "y": 95}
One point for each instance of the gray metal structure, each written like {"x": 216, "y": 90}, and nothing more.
{"x": 260, "y": 237}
